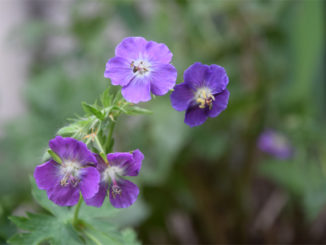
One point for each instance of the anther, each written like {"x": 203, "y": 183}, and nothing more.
{"x": 116, "y": 190}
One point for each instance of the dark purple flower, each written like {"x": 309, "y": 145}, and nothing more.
{"x": 275, "y": 144}
{"x": 122, "y": 193}
{"x": 141, "y": 67}
{"x": 77, "y": 173}
{"x": 203, "y": 93}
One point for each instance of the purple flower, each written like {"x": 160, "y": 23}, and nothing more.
{"x": 203, "y": 93}
{"x": 275, "y": 144}
{"x": 141, "y": 67}
{"x": 122, "y": 193}
{"x": 76, "y": 173}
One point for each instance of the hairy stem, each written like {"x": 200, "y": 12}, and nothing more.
{"x": 109, "y": 141}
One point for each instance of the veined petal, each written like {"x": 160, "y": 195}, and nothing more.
{"x": 158, "y": 52}
{"x": 195, "y": 75}
{"x": 132, "y": 167}
{"x": 216, "y": 79}
{"x": 195, "y": 116}
{"x": 98, "y": 199}
{"x": 131, "y": 48}
{"x": 163, "y": 78}
{"x": 219, "y": 104}
{"x": 119, "y": 71}
{"x": 119, "y": 159}
{"x": 89, "y": 184}
{"x": 47, "y": 175}
{"x": 128, "y": 195}
{"x": 138, "y": 90}
{"x": 181, "y": 97}
{"x": 64, "y": 195}
{"x": 71, "y": 149}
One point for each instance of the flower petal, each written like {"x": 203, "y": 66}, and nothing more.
{"x": 195, "y": 75}
{"x": 128, "y": 195}
{"x": 119, "y": 158}
{"x": 98, "y": 199}
{"x": 132, "y": 168}
{"x": 158, "y": 52}
{"x": 131, "y": 48}
{"x": 47, "y": 175}
{"x": 119, "y": 71}
{"x": 181, "y": 96}
{"x": 219, "y": 104}
{"x": 216, "y": 78}
{"x": 138, "y": 90}
{"x": 71, "y": 149}
{"x": 89, "y": 184}
{"x": 195, "y": 116}
{"x": 163, "y": 78}
{"x": 64, "y": 195}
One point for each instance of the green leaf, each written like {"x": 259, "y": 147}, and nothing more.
{"x": 42, "y": 227}
{"x": 54, "y": 156}
{"x": 78, "y": 128}
{"x": 106, "y": 98}
{"x": 93, "y": 110}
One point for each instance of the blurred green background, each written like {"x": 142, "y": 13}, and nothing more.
{"x": 208, "y": 184}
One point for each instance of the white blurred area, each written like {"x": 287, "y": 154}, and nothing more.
{"x": 13, "y": 61}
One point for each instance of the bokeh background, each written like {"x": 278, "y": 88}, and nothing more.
{"x": 209, "y": 184}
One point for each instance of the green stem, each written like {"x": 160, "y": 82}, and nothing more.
{"x": 108, "y": 143}
{"x": 99, "y": 144}
{"x": 75, "y": 219}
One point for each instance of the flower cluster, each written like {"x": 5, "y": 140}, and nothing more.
{"x": 141, "y": 68}
{"x": 81, "y": 171}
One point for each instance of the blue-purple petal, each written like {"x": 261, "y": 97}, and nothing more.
{"x": 219, "y": 104}
{"x": 98, "y": 199}
{"x": 119, "y": 158}
{"x": 89, "y": 184}
{"x": 158, "y": 52}
{"x": 216, "y": 79}
{"x": 64, "y": 195}
{"x": 128, "y": 195}
{"x": 195, "y": 116}
{"x": 195, "y": 75}
{"x": 138, "y": 90}
{"x": 119, "y": 71}
{"x": 181, "y": 97}
{"x": 47, "y": 175}
{"x": 163, "y": 78}
{"x": 132, "y": 168}
{"x": 71, "y": 149}
{"x": 130, "y": 48}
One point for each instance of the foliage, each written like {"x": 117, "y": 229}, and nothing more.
{"x": 57, "y": 227}
{"x": 213, "y": 177}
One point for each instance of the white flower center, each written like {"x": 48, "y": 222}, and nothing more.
{"x": 111, "y": 172}
{"x": 70, "y": 172}
{"x": 204, "y": 97}
{"x": 140, "y": 67}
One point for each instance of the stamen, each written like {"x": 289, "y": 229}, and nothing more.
{"x": 116, "y": 190}
{"x": 141, "y": 67}
{"x": 204, "y": 98}
{"x": 70, "y": 172}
